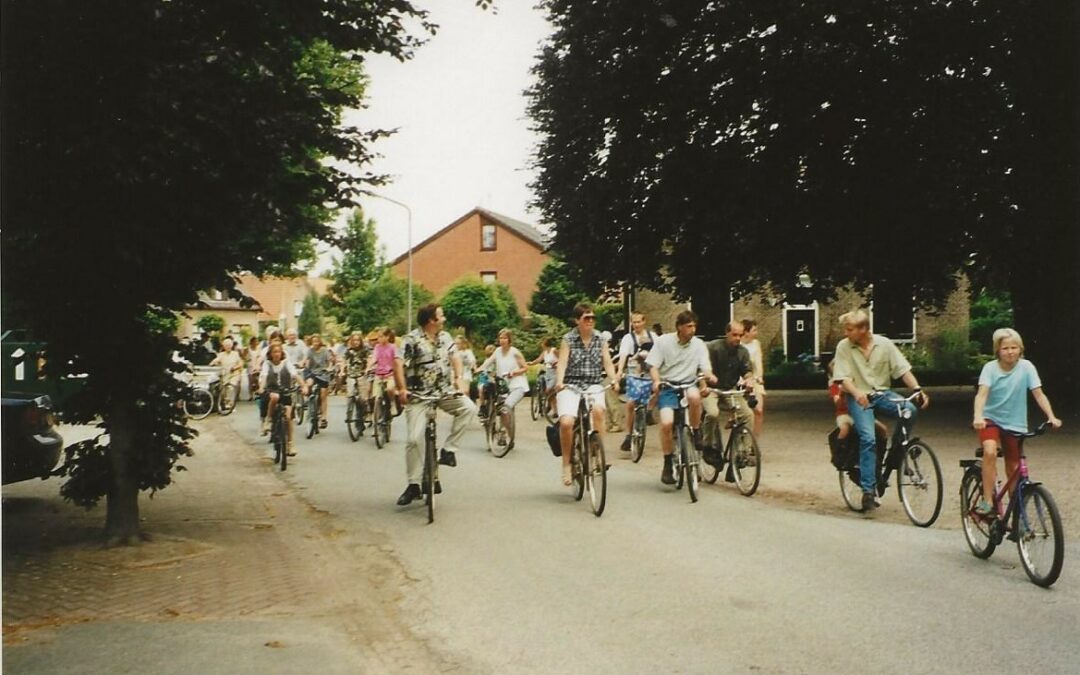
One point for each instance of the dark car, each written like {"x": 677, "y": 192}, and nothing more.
{"x": 31, "y": 445}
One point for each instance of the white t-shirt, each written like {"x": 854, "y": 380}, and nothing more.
{"x": 506, "y": 362}
{"x": 676, "y": 362}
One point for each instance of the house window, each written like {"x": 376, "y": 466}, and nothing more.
{"x": 487, "y": 237}
{"x": 488, "y": 277}
{"x": 893, "y": 311}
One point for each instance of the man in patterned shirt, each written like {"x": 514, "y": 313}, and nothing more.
{"x": 429, "y": 366}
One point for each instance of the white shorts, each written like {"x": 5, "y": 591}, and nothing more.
{"x": 566, "y": 401}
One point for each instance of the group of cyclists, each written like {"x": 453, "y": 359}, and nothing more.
{"x": 430, "y": 362}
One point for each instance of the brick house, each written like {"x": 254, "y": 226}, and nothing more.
{"x": 238, "y": 319}
{"x": 807, "y": 326}
{"x": 281, "y": 298}
{"x": 480, "y": 244}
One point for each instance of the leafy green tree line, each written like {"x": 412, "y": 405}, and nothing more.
{"x": 153, "y": 149}
{"x": 693, "y": 146}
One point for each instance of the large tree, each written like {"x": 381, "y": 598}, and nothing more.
{"x": 695, "y": 146}
{"x": 362, "y": 258}
{"x": 151, "y": 149}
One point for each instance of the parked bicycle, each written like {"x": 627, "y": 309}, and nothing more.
{"x": 1031, "y": 519}
{"x": 741, "y": 454}
{"x": 499, "y": 431}
{"x": 356, "y": 410}
{"x": 430, "y": 481}
{"x": 205, "y": 392}
{"x": 588, "y": 466}
{"x": 918, "y": 474}
{"x": 686, "y": 464}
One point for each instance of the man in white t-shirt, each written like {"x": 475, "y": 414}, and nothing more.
{"x": 679, "y": 358}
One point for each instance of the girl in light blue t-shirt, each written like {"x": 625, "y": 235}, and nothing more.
{"x": 1001, "y": 406}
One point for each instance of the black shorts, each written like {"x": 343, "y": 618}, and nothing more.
{"x": 283, "y": 399}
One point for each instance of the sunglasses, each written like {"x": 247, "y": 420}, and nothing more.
{"x": 588, "y": 317}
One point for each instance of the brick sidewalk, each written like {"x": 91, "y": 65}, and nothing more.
{"x": 230, "y": 541}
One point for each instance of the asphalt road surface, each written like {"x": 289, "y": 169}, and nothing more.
{"x": 515, "y": 576}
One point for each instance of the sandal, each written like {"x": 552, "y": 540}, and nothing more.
{"x": 567, "y": 475}
{"x": 984, "y": 508}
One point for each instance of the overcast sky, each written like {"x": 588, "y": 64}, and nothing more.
{"x": 463, "y": 138}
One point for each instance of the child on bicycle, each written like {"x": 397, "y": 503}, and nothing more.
{"x": 381, "y": 364}
{"x": 1001, "y": 406}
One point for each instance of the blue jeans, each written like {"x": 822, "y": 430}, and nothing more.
{"x": 864, "y": 428}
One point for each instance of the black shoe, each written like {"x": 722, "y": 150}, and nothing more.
{"x": 438, "y": 488}
{"x": 869, "y": 502}
{"x": 625, "y": 447}
{"x": 447, "y": 458}
{"x": 695, "y": 434}
{"x": 667, "y": 477}
{"x": 411, "y": 492}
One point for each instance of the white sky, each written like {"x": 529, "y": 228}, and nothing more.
{"x": 463, "y": 137}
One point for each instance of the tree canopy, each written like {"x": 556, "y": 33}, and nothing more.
{"x": 696, "y": 146}
{"x": 482, "y": 309}
{"x": 382, "y": 302}
{"x": 556, "y": 292}
{"x": 151, "y": 150}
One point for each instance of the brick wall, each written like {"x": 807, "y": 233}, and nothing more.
{"x": 456, "y": 253}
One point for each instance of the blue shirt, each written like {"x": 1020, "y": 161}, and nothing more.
{"x": 1007, "y": 404}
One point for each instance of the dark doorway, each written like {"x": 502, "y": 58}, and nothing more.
{"x": 799, "y": 332}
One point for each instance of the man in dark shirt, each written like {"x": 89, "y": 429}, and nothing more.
{"x": 730, "y": 364}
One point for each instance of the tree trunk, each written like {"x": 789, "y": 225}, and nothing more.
{"x": 122, "y": 501}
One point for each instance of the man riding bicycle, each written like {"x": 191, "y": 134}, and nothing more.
{"x": 678, "y": 358}
{"x": 633, "y": 350}
{"x": 433, "y": 368}
{"x": 865, "y": 363}
{"x": 731, "y": 363}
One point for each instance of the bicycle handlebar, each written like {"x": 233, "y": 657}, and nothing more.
{"x": 878, "y": 393}
{"x": 425, "y": 398}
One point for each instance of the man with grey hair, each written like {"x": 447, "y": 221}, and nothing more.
{"x": 864, "y": 364}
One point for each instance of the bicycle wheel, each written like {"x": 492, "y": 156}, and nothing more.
{"x": 199, "y": 404}
{"x": 277, "y": 437}
{"x": 637, "y": 439}
{"x": 918, "y": 480}
{"x": 534, "y": 403}
{"x": 745, "y": 459}
{"x": 1039, "y": 535}
{"x": 387, "y": 418}
{"x": 282, "y": 423}
{"x": 850, "y": 488}
{"x": 298, "y": 412}
{"x": 429, "y": 476}
{"x": 313, "y": 415}
{"x": 353, "y": 420}
{"x": 548, "y": 403}
{"x": 596, "y": 478}
{"x": 690, "y": 463}
{"x": 578, "y": 465}
{"x": 377, "y": 416}
{"x": 976, "y": 528}
{"x": 499, "y": 436}
{"x": 227, "y": 399}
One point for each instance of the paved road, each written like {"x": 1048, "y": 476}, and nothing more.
{"x": 515, "y": 576}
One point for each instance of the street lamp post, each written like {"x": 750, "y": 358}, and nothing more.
{"x": 408, "y": 211}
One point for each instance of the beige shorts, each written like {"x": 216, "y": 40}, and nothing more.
{"x": 844, "y": 420}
